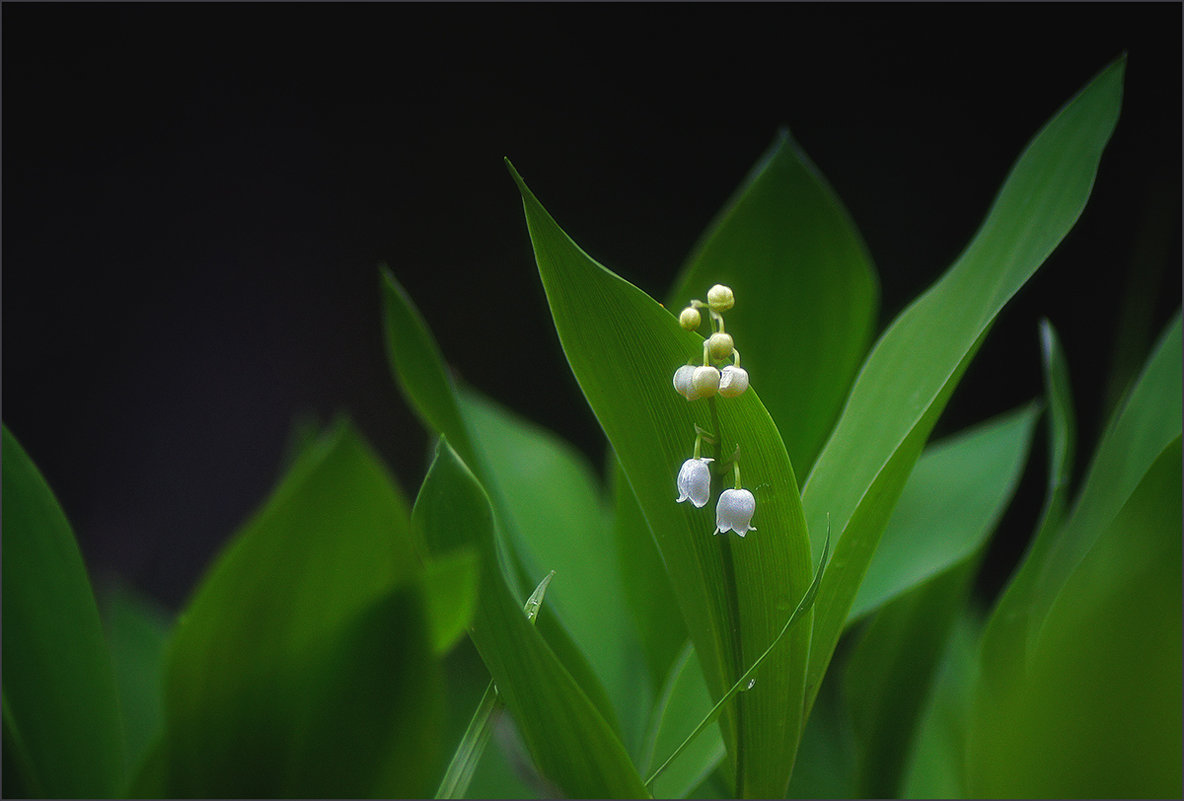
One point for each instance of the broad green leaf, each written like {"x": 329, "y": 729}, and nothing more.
{"x": 137, "y": 631}
{"x": 826, "y": 759}
{"x": 302, "y": 665}
{"x": 62, "y": 725}
{"x": 1097, "y": 711}
{"x": 647, "y": 586}
{"x": 890, "y": 671}
{"x": 912, "y": 370}
{"x": 623, "y": 348}
{"x": 527, "y": 537}
{"x": 570, "y": 742}
{"x": 949, "y": 507}
{"x": 1144, "y": 423}
{"x": 804, "y": 279}
{"x": 450, "y": 591}
{"x": 552, "y": 505}
{"x": 936, "y": 765}
{"x": 678, "y": 710}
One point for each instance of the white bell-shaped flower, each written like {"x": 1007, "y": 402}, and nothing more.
{"x": 694, "y": 482}
{"x": 734, "y": 512}
{"x": 682, "y": 381}
{"x": 733, "y": 381}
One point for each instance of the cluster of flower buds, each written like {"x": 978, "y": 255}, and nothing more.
{"x": 734, "y": 510}
{"x": 706, "y": 380}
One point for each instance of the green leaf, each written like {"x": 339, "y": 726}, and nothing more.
{"x": 826, "y": 759}
{"x": 137, "y": 631}
{"x": 62, "y": 725}
{"x": 450, "y": 591}
{"x": 890, "y": 671}
{"x": 949, "y": 507}
{"x": 302, "y": 666}
{"x": 1096, "y": 712}
{"x": 1144, "y": 423}
{"x": 678, "y": 710}
{"x": 804, "y": 279}
{"x": 623, "y": 348}
{"x": 418, "y": 366}
{"x": 911, "y": 372}
{"x": 571, "y": 743}
{"x": 648, "y": 593}
{"x": 551, "y": 504}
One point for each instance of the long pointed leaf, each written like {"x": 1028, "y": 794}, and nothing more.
{"x": 912, "y": 370}
{"x": 623, "y": 348}
{"x": 571, "y": 743}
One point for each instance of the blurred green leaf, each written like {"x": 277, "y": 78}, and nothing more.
{"x": 450, "y": 590}
{"x": 570, "y": 742}
{"x": 623, "y": 348}
{"x": 950, "y": 505}
{"x": 526, "y": 536}
{"x": 62, "y": 724}
{"x": 648, "y": 593}
{"x": 1097, "y": 710}
{"x": 1144, "y": 423}
{"x": 137, "y": 631}
{"x": 552, "y": 504}
{"x": 302, "y": 665}
{"x": 678, "y": 710}
{"x": 804, "y": 279}
{"x": 911, "y": 372}
{"x": 936, "y": 765}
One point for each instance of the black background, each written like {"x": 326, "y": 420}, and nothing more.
{"x": 195, "y": 198}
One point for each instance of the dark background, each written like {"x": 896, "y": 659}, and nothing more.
{"x": 195, "y": 198}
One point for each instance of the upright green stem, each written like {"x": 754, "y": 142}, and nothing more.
{"x": 733, "y": 616}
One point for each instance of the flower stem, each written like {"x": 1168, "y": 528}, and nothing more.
{"x": 733, "y": 619}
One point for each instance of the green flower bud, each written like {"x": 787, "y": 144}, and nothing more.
{"x": 720, "y": 346}
{"x": 720, "y": 298}
{"x": 689, "y": 319}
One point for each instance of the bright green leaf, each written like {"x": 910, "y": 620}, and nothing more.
{"x": 302, "y": 665}
{"x": 450, "y": 591}
{"x": 62, "y": 725}
{"x": 571, "y": 743}
{"x": 804, "y": 280}
{"x": 623, "y": 348}
{"x": 911, "y": 372}
{"x": 950, "y": 505}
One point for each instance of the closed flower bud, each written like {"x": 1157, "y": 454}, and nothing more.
{"x": 689, "y": 318}
{"x": 704, "y": 382}
{"x": 734, "y": 512}
{"x": 694, "y": 482}
{"x": 720, "y": 346}
{"x": 720, "y": 298}
{"x": 682, "y": 381}
{"x": 733, "y": 381}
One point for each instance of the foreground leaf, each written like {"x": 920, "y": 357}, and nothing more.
{"x": 908, "y": 377}
{"x": 623, "y": 348}
{"x": 303, "y": 666}
{"x": 62, "y": 726}
{"x": 570, "y": 742}
{"x": 787, "y": 247}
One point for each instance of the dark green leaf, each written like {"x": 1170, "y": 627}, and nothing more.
{"x": 787, "y": 247}
{"x": 62, "y": 726}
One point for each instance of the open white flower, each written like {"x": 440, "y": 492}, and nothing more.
{"x": 694, "y": 482}
{"x": 734, "y": 512}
